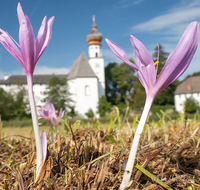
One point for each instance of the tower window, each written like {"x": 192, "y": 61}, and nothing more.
{"x": 87, "y": 90}
{"x": 96, "y": 54}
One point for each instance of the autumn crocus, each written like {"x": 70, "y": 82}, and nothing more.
{"x": 176, "y": 64}
{"x": 48, "y": 113}
{"x": 31, "y": 50}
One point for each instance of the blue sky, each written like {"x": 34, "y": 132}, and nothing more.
{"x": 151, "y": 21}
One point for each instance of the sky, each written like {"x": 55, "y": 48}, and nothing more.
{"x": 151, "y": 21}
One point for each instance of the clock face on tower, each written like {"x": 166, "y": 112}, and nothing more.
{"x": 97, "y": 65}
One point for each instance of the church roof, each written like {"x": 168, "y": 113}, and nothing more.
{"x": 37, "y": 79}
{"x": 190, "y": 85}
{"x": 81, "y": 68}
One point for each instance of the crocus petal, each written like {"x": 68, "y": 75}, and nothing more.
{"x": 44, "y": 145}
{"x": 143, "y": 58}
{"x": 26, "y": 40}
{"x": 180, "y": 58}
{"x": 48, "y": 37}
{"x": 41, "y": 37}
{"x": 48, "y": 105}
{"x": 119, "y": 52}
{"x": 61, "y": 114}
{"x": 54, "y": 121}
{"x": 8, "y": 43}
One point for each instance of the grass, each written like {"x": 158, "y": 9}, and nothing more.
{"x": 93, "y": 153}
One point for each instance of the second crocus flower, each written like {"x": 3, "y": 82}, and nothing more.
{"x": 176, "y": 64}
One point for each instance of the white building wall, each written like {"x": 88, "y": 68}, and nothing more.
{"x": 180, "y": 99}
{"x": 86, "y": 100}
{"x": 72, "y": 89}
{"x": 37, "y": 89}
{"x": 97, "y": 65}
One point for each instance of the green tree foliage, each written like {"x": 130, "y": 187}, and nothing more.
{"x": 124, "y": 76}
{"x": 103, "y": 106}
{"x": 90, "y": 113}
{"x": 191, "y": 105}
{"x": 6, "y": 105}
{"x": 166, "y": 96}
{"x": 20, "y": 103}
{"x": 111, "y": 85}
{"x": 58, "y": 93}
{"x": 139, "y": 95}
{"x": 13, "y": 104}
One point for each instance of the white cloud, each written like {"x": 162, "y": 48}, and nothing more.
{"x": 173, "y": 22}
{"x": 127, "y": 3}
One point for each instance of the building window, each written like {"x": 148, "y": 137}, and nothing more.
{"x": 179, "y": 95}
{"x": 96, "y": 47}
{"x": 87, "y": 90}
{"x": 96, "y": 54}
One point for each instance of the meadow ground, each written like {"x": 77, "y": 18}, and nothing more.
{"x": 93, "y": 155}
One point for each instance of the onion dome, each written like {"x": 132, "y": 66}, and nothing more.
{"x": 94, "y": 37}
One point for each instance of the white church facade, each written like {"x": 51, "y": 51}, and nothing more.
{"x": 86, "y": 78}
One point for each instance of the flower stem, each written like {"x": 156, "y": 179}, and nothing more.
{"x": 35, "y": 123}
{"x": 51, "y": 127}
{"x": 132, "y": 155}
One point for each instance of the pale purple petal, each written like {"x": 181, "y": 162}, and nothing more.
{"x": 26, "y": 40}
{"x": 48, "y": 104}
{"x": 48, "y": 37}
{"x": 41, "y": 37}
{"x": 142, "y": 52}
{"x": 143, "y": 58}
{"x": 44, "y": 145}
{"x": 119, "y": 52}
{"x": 8, "y": 43}
{"x": 61, "y": 114}
{"x": 54, "y": 121}
{"x": 180, "y": 58}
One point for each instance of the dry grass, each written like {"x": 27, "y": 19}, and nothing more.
{"x": 95, "y": 158}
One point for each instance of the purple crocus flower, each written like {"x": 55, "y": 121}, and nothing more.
{"x": 31, "y": 50}
{"x": 47, "y": 112}
{"x": 175, "y": 66}
{"x": 56, "y": 119}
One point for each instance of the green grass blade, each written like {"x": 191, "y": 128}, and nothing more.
{"x": 153, "y": 177}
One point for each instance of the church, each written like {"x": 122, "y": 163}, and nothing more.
{"x": 86, "y": 78}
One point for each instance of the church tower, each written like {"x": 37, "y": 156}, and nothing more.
{"x": 96, "y": 60}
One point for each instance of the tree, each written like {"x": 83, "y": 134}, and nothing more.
{"x": 139, "y": 95}
{"x": 20, "y": 103}
{"x": 125, "y": 78}
{"x": 6, "y": 105}
{"x": 103, "y": 106}
{"x": 191, "y": 105}
{"x": 111, "y": 85}
{"x": 58, "y": 93}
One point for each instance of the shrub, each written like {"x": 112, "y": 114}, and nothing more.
{"x": 191, "y": 105}
{"x": 90, "y": 113}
